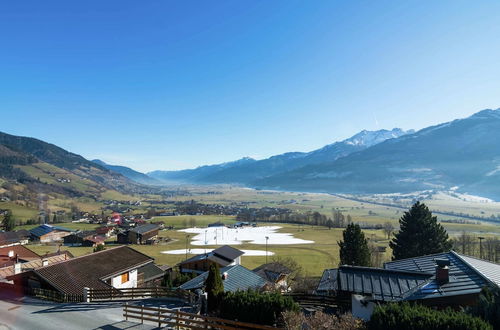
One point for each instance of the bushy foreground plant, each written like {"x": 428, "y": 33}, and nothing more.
{"x": 321, "y": 321}
{"x": 255, "y": 307}
{"x": 404, "y": 316}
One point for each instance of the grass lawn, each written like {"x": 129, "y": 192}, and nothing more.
{"x": 183, "y": 221}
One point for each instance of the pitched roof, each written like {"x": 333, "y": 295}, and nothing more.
{"x": 238, "y": 278}
{"x": 90, "y": 270}
{"x": 227, "y": 252}
{"x": 463, "y": 278}
{"x": 151, "y": 271}
{"x": 272, "y": 271}
{"x": 9, "y": 237}
{"x": 145, "y": 228}
{"x": 33, "y": 264}
{"x": 45, "y": 229}
{"x": 21, "y": 251}
{"x": 382, "y": 284}
{"x": 328, "y": 281}
{"x": 488, "y": 269}
{"x": 223, "y": 256}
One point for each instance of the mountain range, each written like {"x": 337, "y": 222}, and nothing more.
{"x": 463, "y": 154}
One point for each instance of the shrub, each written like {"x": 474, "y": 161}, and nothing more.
{"x": 404, "y": 316}
{"x": 488, "y": 307}
{"x": 321, "y": 321}
{"x": 256, "y": 307}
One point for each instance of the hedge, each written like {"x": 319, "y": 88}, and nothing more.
{"x": 404, "y": 316}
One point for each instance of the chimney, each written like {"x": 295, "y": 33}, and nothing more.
{"x": 442, "y": 271}
{"x": 224, "y": 276}
{"x": 17, "y": 268}
{"x": 45, "y": 262}
{"x": 11, "y": 254}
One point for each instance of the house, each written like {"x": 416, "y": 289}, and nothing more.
{"x": 106, "y": 231}
{"x": 234, "y": 278}
{"x": 216, "y": 224}
{"x": 11, "y": 255}
{"x": 439, "y": 280}
{"x": 26, "y": 260}
{"x": 275, "y": 273}
{"x": 223, "y": 256}
{"x": 46, "y": 233}
{"x": 118, "y": 267}
{"x": 144, "y": 234}
{"x": 84, "y": 238}
{"x": 9, "y": 238}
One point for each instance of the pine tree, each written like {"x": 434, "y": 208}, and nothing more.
{"x": 214, "y": 287}
{"x": 8, "y": 222}
{"x": 419, "y": 234}
{"x": 354, "y": 248}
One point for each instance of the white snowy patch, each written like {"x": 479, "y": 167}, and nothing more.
{"x": 236, "y": 236}
{"x": 248, "y": 253}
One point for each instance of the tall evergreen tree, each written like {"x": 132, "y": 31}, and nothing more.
{"x": 354, "y": 248}
{"x": 214, "y": 287}
{"x": 8, "y": 222}
{"x": 419, "y": 234}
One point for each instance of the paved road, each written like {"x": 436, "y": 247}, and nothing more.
{"x": 28, "y": 313}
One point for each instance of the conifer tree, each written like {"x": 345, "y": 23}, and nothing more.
{"x": 8, "y": 222}
{"x": 214, "y": 287}
{"x": 354, "y": 248}
{"x": 419, "y": 234}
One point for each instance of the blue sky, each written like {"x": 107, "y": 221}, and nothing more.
{"x": 177, "y": 84}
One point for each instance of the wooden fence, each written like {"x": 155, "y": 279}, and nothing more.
{"x": 140, "y": 293}
{"x": 41, "y": 293}
{"x": 315, "y": 300}
{"x": 180, "y": 320}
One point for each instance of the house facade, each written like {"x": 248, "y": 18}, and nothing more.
{"x": 112, "y": 268}
{"x": 47, "y": 233}
{"x": 440, "y": 280}
{"x": 223, "y": 257}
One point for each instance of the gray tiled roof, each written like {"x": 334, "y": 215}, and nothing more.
{"x": 145, "y": 228}
{"x": 488, "y": 269}
{"x": 381, "y": 284}
{"x": 463, "y": 279}
{"x": 238, "y": 278}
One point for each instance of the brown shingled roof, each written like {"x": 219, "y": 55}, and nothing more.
{"x": 90, "y": 270}
{"x": 23, "y": 253}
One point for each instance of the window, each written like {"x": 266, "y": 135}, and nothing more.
{"x": 125, "y": 277}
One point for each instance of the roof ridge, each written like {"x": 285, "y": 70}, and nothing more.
{"x": 459, "y": 256}
{"x": 411, "y": 258}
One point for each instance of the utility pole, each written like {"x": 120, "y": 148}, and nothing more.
{"x": 481, "y": 246}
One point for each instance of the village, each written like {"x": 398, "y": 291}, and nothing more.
{"x": 116, "y": 274}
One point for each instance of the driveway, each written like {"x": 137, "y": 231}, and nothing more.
{"x": 29, "y": 313}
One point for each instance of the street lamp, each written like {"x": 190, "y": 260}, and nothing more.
{"x": 187, "y": 239}
{"x": 267, "y": 238}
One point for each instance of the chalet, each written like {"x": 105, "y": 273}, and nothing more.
{"x": 275, "y": 273}
{"x": 106, "y": 231}
{"x": 234, "y": 278}
{"x": 16, "y": 254}
{"x": 47, "y": 233}
{"x": 120, "y": 267}
{"x": 223, "y": 256}
{"x": 25, "y": 260}
{"x": 84, "y": 238}
{"x": 145, "y": 234}
{"x": 440, "y": 280}
{"x": 10, "y": 238}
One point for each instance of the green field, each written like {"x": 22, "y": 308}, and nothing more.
{"x": 314, "y": 258}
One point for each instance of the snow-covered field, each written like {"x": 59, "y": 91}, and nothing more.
{"x": 201, "y": 251}
{"x": 236, "y": 236}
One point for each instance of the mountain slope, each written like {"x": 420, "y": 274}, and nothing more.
{"x": 247, "y": 170}
{"x": 128, "y": 172}
{"x": 463, "y": 153}
{"x": 41, "y": 167}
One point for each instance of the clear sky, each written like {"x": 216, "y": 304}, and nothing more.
{"x": 177, "y": 84}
